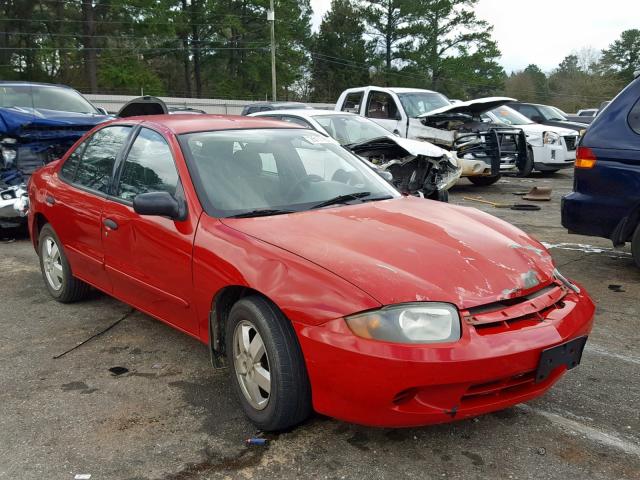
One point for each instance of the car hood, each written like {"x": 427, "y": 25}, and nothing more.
{"x": 539, "y": 129}
{"x": 410, "y": 249}
{"x": 411, "y": 147}
{"x": 472, "y": 107}
{"x": 15, "y": 119}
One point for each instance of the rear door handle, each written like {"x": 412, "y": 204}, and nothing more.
{"x": 111, "y": 224}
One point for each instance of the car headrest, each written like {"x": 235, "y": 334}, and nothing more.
{"x": 247, "y": 162}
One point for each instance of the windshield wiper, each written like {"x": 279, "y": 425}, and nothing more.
{"x": 342, "y": 199}
{"x": 261, "y": 213}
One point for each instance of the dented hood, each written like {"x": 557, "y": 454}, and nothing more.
{"x": 411, "y": 147}
{"x": 472, "y": 107}
{"x": 14, "y": 120}
{"x": 409, "y": 249}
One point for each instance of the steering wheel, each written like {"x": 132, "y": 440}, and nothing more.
{"x": 307, "y": 179}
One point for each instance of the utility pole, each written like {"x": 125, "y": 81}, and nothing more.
{"x": 271, "y": 17}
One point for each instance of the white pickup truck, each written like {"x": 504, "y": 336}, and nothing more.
{"x": 485, "y": 150}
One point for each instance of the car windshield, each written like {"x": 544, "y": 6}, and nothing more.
{"x": 270, "y": 171}
{"x": 551, "y": 113}
{"x": 44, "y": 97}
{"x": 350, "y": 129}
{"x": 418, "y": 103}
{"x": 509, "y": 116}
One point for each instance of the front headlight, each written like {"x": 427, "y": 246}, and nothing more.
{"x": 427, "y": 322}
{"x": 8, "y": 156}
{"x": 551, "y": 138}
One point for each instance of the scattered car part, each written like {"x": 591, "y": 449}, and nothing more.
{"x": 512, "y": 206}
{"x": 539, "y": 194}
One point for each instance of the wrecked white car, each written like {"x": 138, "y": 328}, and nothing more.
{"x": 417, "y": 167}
{"x": 485, "y": 150}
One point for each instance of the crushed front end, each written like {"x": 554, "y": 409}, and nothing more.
{"x": 417, "y": 168}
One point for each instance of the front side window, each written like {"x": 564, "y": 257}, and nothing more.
{"x": 99, "y": 156}
{"x": 240, "y": 171}
{"x": 383, "y": 106}
{"x": 149, "y": 167}
{"x": 352, "y": 102}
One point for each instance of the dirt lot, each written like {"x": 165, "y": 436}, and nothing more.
{"x": 172, "y": 417}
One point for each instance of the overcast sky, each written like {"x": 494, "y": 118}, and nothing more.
{"x": 545, "y": 31}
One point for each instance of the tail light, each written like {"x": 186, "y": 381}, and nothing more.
{"x": 585, "y": 158}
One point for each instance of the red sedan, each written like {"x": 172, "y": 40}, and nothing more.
{"x": 308, "y": 274}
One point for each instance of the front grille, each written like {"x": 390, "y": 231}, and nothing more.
{"x": 502, "y": 388}
{"x": 571, "y": 142}
{"x": 516, "y": 313}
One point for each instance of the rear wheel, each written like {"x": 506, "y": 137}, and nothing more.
{"x": 56, "y": 271}
{"x": 635, "y": 246}
{"x": 266, "y": 365}
{"x": 484, "y": 181}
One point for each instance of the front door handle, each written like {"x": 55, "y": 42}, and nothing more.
{"x": 110, "y": 224}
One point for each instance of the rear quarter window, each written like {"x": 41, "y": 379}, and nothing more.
{"x": 634, "y": 117}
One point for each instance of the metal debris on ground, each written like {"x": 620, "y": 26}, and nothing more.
{"x": 539, "y": 194}
{"x": 616, "y": 288}
{"x": 82, "y": 476}
{"x": 512, "y": 206}
{"x": 256, "y": 441}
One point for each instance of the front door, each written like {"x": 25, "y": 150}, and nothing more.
{"x": 382, "y": 109}
{"x": 148, "y": 258}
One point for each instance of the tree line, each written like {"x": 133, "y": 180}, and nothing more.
{"x": 207, "y": 48}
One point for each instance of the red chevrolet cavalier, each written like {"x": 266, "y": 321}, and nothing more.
{"x": 305, "y": 272}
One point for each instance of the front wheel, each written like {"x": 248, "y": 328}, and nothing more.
{"x": 526, "y": 168}
{"x": 266, "y": 365}
{"x": 56, "y": 271}
{"x": 635, "y": 246}
{"x": 484, "y": 181}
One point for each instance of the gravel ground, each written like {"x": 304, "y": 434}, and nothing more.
{"x": 172, "y": 417}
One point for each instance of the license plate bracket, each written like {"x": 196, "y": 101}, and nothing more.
{"x": 567, "y": 354}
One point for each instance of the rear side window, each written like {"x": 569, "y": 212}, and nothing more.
{"x": 634, "y": 117}
{"x": 68, "y": 170}
{"x": 352, "y": 102}
{"x": 99, "y": 156}
{"x": 149, "y": 167}
{"x": 382, "y": 105}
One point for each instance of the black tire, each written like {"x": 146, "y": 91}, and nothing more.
{"x": 289, "y": 399}
{"x": 440, "y": 196}
{"x": 635, "y": 246}
{"x": 70, "y": 289}
{"x": 484, "y": 181}
{"x": 527, "y": 168}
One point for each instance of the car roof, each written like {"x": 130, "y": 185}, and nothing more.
{"x": 302, "y": 112}
{"x": 391, "y": 89}
{"x": 187, "y": 123}
{"x": 40, "y": 84}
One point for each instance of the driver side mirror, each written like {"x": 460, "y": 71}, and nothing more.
{"x": 102, "y": 111}
{"x": 161, "y": 204}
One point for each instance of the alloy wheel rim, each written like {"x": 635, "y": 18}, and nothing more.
{"x": 251, "y": 364}
{"x": 52, "y": 263}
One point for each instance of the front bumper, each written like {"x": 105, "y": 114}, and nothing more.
{"x": 480, "y": 168}
{"x": 383, "y": 384}
{"x": 553, "y": 157}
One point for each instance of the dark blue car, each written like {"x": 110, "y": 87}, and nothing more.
{"x": 38, "y": 124}
{"x": 606, "y": 197}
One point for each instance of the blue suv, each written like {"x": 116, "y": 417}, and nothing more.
{"x": 606, "y": 197}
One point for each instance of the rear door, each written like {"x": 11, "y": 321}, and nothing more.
{"x": 79, "y": 198}
{"x": 148, "y": 258}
